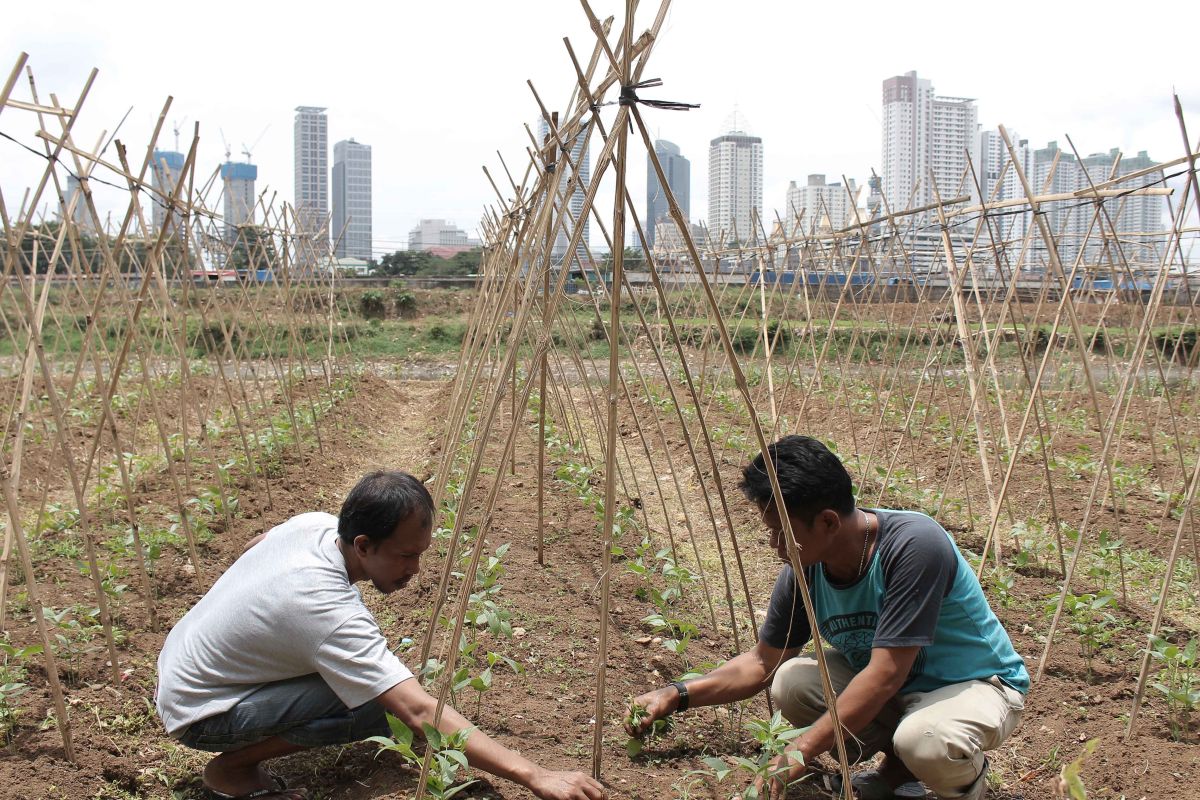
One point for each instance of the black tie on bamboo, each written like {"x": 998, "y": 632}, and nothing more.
{"x": 629, "y": 97}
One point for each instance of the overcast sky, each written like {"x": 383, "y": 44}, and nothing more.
{"x": 437, "y": 88}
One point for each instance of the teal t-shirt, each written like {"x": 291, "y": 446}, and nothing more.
{"x": 917, "y": 591}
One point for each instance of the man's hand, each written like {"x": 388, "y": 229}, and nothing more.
{"x": 785, "y": 770}
{"x": 566, "y": 786}
{"x": 655, "y": 705}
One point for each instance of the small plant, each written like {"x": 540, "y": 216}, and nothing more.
{"x": 405, "y": 303}
{"x": 1179, "y": 682}
{"x": 773, "y": 736}
{"x": 372, "y": 305}
{"x": 449, "y": 755}
{"x": 1070, "y": 785}
{"x": 1089, "y": 618}
{"x": 634, "y": 719}
{"x": 1003, "y": 583}
{"x": 76, "y": 628}
{"x": 482, "y": 682}
{"x": 12, "y": 684}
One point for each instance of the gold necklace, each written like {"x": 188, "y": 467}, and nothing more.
{"x": 866, "y": 540}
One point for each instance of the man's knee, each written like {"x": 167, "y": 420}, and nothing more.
{"x": 939, "y": 752}
{"x": 796, "y": 688}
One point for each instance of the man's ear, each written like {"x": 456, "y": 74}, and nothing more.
{"x": 831, "y": 520}
{"x": 362, "y": 543}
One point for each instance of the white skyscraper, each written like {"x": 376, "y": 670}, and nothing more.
{"x": 352, "y": 199}
{"x": 73, "y": 193}
{"x": 819, "y": 207}
{"x": 1132, "y": 217}
{"x": 582, "y": 161}
{"x": 312, "y": 167}
{"x": 735, "y": 186}
{"x": 1014, "y": 226}
{"x": 923, "y": 133}
{"x": 439, "y": 234}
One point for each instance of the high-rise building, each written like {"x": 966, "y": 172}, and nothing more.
{"x": 735, "y": 186}
{"x": 352, "y": 199}
{"x": 583, "y": 163}
{"x": 438, "y": 234}
{"x": 1057, "y": 172}
{"x": 1136, "y": 219}
{"x": 73, "y": 192}
{"x": 668, "y": 239}
{"x": 1015, "y": 227}
{"x": 923, "y": 133}
{"x": 164, "y": 174}
{"x": 678, "y": 171}
{"x": 819, "y": 207}
{"x": 239, "y": 181}
{"x": 875, "y": 202}
{"x": 311, "y": 133}
{"x": 993, "y": 156}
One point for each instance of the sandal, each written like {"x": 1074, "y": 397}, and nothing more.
{"x": 869, "y": 785}
{"x": 280, "y": 790}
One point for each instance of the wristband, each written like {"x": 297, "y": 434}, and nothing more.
{"x": 681, "y": 687}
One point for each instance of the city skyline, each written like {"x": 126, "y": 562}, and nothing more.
{"x": 427, "y": 164}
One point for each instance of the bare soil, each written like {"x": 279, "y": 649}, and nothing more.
{"x": 548, "y": 713}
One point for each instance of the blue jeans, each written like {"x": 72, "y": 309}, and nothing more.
{"x": 303, "y": 711}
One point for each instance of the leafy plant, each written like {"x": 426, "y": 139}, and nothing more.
{"x": 1178, "y": 680}
{"x": 12, "y": 684}
{"x": 1070, "y": 785}
{"x": 773, "y": 736}
{"x": 634, "y": 719}
{"x": 449, "y": 755}
{"x": 1090, "y": 620}
{"x": 1003, "y": 583}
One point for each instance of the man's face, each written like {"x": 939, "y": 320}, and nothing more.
{"x": 809, "y": 538}
{"x": 393, "y": 562}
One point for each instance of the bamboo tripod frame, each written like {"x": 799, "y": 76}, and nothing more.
{"x": 112, "y": 297}
{"x": 986, "y": 304}
{"x": 703, "y": 364}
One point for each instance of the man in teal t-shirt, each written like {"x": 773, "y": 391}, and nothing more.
{"x": 923, "y": 670}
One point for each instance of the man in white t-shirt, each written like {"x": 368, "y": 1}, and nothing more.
{"x": 281, "y": 655}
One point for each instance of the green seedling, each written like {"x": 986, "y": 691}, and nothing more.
{"x": 1178, "y": 681}
{"x": 1070, "y": 785}
{"x": 1089, "y": 618}
{"x": 773, "y": 736}
{"x": 449, "y": 755}
{"x": 634, "y": 719}
{"x": 12, "y": 684}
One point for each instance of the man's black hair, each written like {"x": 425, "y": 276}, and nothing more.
{"x": 811, "y": 479}
{"x": 379, "y": 502}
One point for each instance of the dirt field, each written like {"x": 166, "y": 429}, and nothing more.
{"x": 547, "y": 712}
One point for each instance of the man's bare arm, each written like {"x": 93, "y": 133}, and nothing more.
{"x": 740, "y": 677}
{"x": 412, "y": 705}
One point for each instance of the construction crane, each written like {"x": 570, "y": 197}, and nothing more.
{"x": 177, "y": 127}
{"x": 247, "y": 151}
{"x": 226, "y": 144}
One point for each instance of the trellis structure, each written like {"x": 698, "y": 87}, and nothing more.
{"x": 965, "y": 353}
{"x": 113, "y": 353}
{"x": 998, "y": 333}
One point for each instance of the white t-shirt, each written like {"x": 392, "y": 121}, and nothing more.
{"x": 285, "y": 608}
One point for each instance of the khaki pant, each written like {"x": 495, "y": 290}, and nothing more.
{"x": 940, "y": 735}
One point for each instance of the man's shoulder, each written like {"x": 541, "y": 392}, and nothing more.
{"x": 911, "y": 535}
{"x": 902, "y": 527}
{"x": 308, "y": 521}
